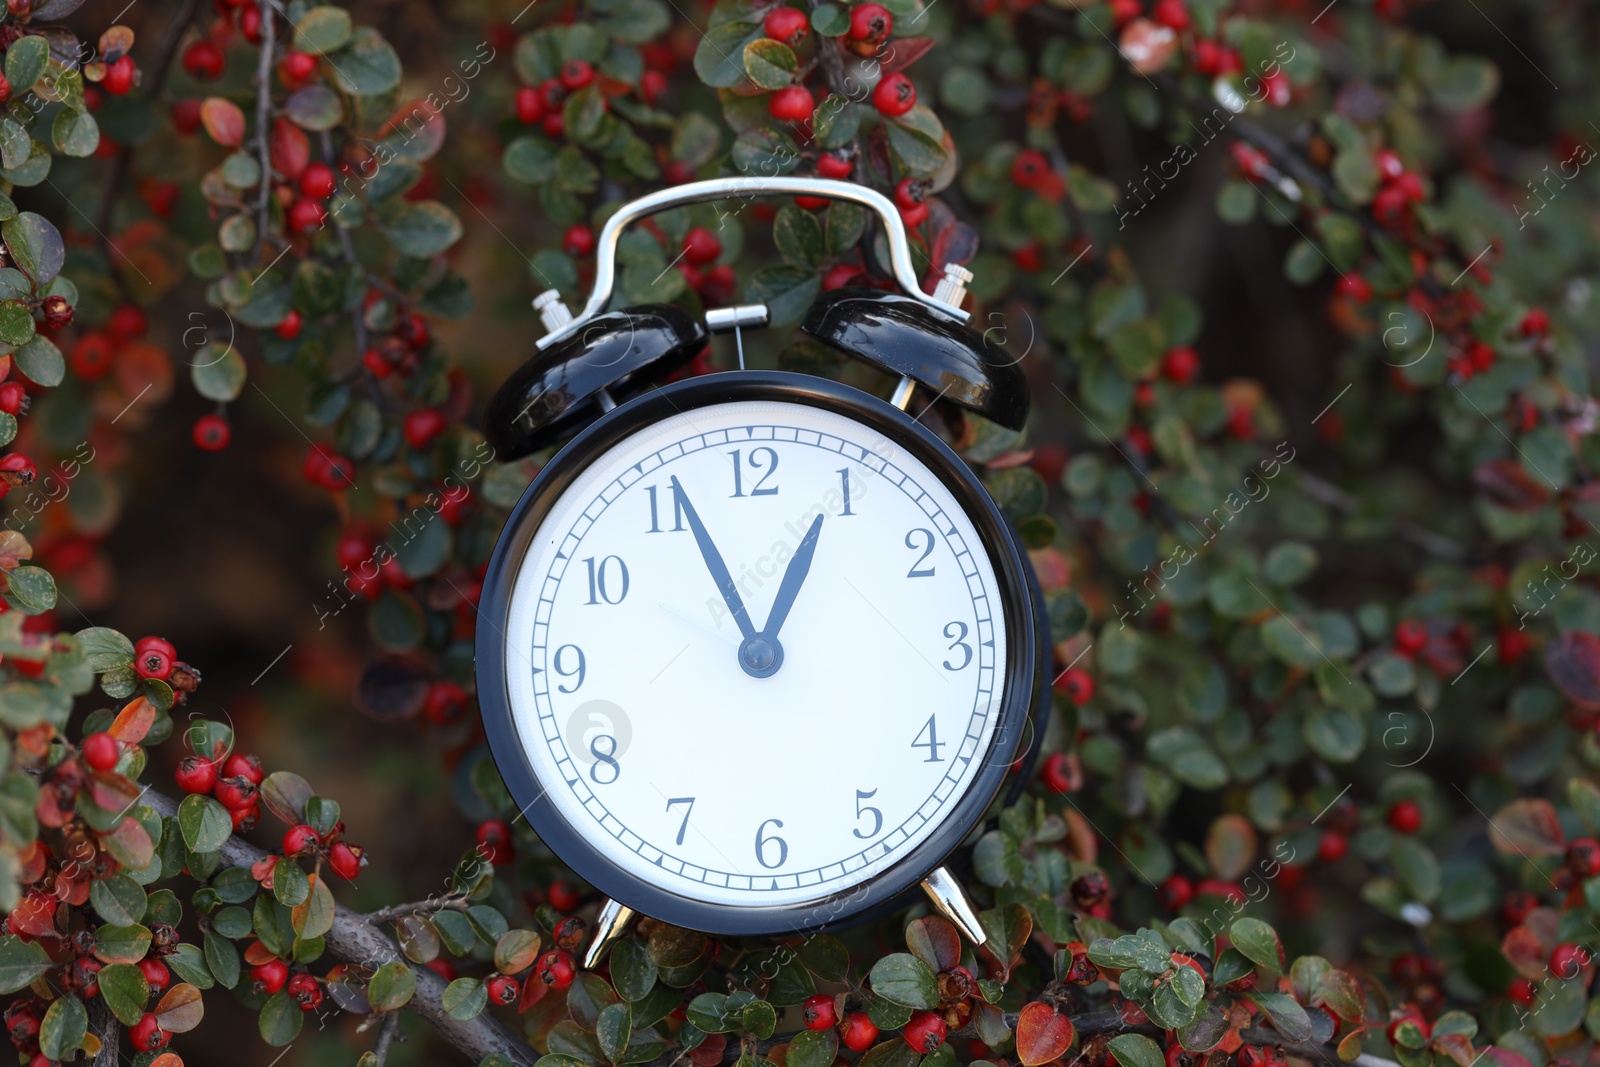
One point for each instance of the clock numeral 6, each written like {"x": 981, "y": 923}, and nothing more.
{"x": 762, "y": 842}
{"x": 605, "y": 759}
{"x": 932, "y": 744}
{"x": 686, "y": 813}
{"x": 758, "y": 464}
{"x": 601, "y": 583}
{"x": 877, "y": 816}
{"x": 580, "y": 670}
{"x": 926, "y": 537}
{"x": 957, "y": 632}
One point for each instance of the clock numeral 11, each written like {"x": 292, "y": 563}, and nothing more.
{"x": 655, "y": 519}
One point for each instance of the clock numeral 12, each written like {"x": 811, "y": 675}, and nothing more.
{"x": 686, "y": 813}
{"x": 877, "y": 816}
{"x": 756, "y": 464}
{"x": 599, "y": 586}
{"x": 762, "y": 842}
{"x": 932, "y": 744}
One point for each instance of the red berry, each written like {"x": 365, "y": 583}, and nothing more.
{"x": 840, "y": 275}
{"x": 195, "y": 775}
{"x": 1409, "y": 636}
{"x": 57, "y": 312}
{"x": 211, "y": 433}
{"x": 578, "y": 242}
{"x": 1405, "y": 816}
{"x": 422, "y": 426}
{"x": 1253, "y": 1056}
{"x": 1536, "y": 323}
{"x": 1139, "y": 440}
{"x": 269, "y": 977}
{"x": 1181, "y": 365}
{"x": 445, "y": 703}
{"x": 243, "y": 765}
{"x": 652, "y": 86}
{"x": 128, "y": 322}
{"x": 299, "y": 840}
{"x": 818, "y": 1013}
{"x": 413, "y": 330}
{"x": 186, "y": 115}
{"x": 858, "y": 1031}
{"x": 1077, "y": 684}
{"x": 1568, "y": 960}
{"x": 146, "y": 1035}
{"x": 317, "y": 181}
{"x": 787, "y": 24}
{"x": 1171, "y": 13}
{"x": 925, "y": 1032}
{"x": 700, "y": 246}
{"x": 834, "y": 166}
{"x": 297, "y": 66}
{"x": 203, "y": 60}
{"x": 496, "y": 846}
{"x": 1125, "y": 11}
{"x": 236, "y": 793}
{"x": 245, "y": 819}
{"x": 557, "y": 969}
{"x": 1522, "y": 991}
{"x": 1029, "y": 167}
{"x": 564, "y": 897}
{"x": 307, "y": 216}
{"x": 894, "y": 96}
{"x": 155, "y": 973}
{"x": 13, "y": 397}
{"x": 502, "y": 989}
{"x": 288, "y": 327}
{"x": 792, "y": 103}
{"x": 1177, "y": 891}
{"x": 1583, "y": 856}
{"x": 870, "y": 22}
{"x": 119, "y": 78}
{"x": 250, "y": 24}
{"x": 553, "y": 124}
{"x": 576, "y": 74}
{"x": 153, "y": 663}
{"x": 529, "y": 105}
{"x": 1513, "y": 645}
{"x": 1355, "y": 288}
{"x": 101, "y": 751}
{"x": 345, "y": 860}
{"x": 1388, "y": 163}
{"x": 1332, "y": 847}
{"x": 1057, "y": 774}
{"x": 306, "y": 991}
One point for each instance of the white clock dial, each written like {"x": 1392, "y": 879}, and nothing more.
{"x": 795, "y": 749}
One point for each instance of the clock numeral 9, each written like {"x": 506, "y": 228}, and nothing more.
{"x": 757, "y": 464}
{"x": 580, "y": 670}
{"x": 958, "y": 640}
{"x": 605, "y": 759}
{"x": 917, "y": 569}
{"x": 600, "y": 581}
{"x": 762, "y": 842}
{"x": 877, "y": 816}
{"x": 932, "y": 744}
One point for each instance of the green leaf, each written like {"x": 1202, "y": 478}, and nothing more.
{"x": 719, "y": 58}
{"x": 32, "y": 589}
{"x": 1287, "y": 1015}
{"x": 16, "y": 322}
{"x": 613, "y": 1028}
{"x": 66, "y": 1022}
{"x": 41, "y": 361}
{"x": 464, "y": 999}
{"x": 835, "y": 122}
{"x": 421, "y": 229}
{"x": 830, "y": 20}
{"x": 1303, "y": 262}
{"x": 119, "y": 900}
{"x": 633, "y": 972}
{"x": 222, "y": 959}
{"x": 901, "y": 978}
{"x": 322, "y": 29}
{"x": 1236, "y": 202}
{"x": 204, "y": 823}
{"x": 218, "y": 373}
{"x": 315, "y": 107}
{"x": 787, "y": 292}
{"x": 74, "y": 133}
{"x": 1136, "y": 1050}
{"x": 813, "y": 1048}
{"x": 20, "y": 963}
{"x": 917, "y": 140}
{"x": 392, "y": 986}
{"x": 313, "y": 917}
{"x": 125, "y": 990}
{"x": 798, "y": 236}
{"x": 1259, "y": 943}
{"x": 367, "y": 65}
{"x": 770, "y": 64}
{"x": 189, "y": 963}
{"x": 1465, "y": 82}
{"x": 35, "y": 246}
{"x": 105, "y": 648}
{"x": 280, "y": 1019}
{"x": 26, "y": 59}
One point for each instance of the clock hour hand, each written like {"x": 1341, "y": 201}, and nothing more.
{"x": 793, "y": 578}
{"x": 714, "y": 564}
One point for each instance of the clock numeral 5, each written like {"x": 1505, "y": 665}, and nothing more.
{"x": 958, "y": 640}
{"x": 605, "y": 759}
{"x": 580, "y": 670}
{"x": 757, "y": 464}
{"x": 917, "y": 569}
{"x": 762, "y": 842}
{"x": 600, "y": 580}
{"x": 877, "y": 816}
{"x": 686, "y": 813}
{"x": 932, "y": 744}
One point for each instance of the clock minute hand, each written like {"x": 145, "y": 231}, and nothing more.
{"x": 793, "y": 578}
{"x": 714, "y": 564}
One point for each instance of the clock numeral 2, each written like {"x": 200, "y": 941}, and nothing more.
{"x": 932, "y": 744}
{"x": 959, "y": 640}
{"x": 580, "y": 670}
{"x": 757, "y": 465}
{"x": 604, "y": 759}
{"x": 686, "y": 813}
{"x": 655, "y": 519}
{"x": 600, "y": 587}
{"x": 762, "y": 842}
{"x": 877, "y": 816}
{"x": 917, "y": 569}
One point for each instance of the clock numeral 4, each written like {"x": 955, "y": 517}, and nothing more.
{"x": 958, "y": 640}
{"x": 655, "y": 518}
{"x": 606, "y": 759}
{"x": 926, "y": 536}
{"x": 686, "y": 813}
{"x": 763, "y": 841}
{"x": 932, "y": 744}
{"x": 605, "y": 580}
{"x": 580, "y": 669}
{"x": 763, "y": 461}
{"x": 877, "y": 816}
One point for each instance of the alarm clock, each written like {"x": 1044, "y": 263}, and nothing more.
{"x": 756, "y": 650}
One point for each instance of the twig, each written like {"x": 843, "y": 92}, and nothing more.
{"x": 103, "y": 1024}
{"x": 420, "y": 907}
{"x": 264, "y": 115}
{"x": 388, "y": 1032}
{"x": 355, "y": 940}
{"x": 1421, "y": 536}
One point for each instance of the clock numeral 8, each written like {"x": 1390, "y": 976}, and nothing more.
{"x": 599, "y": 580}
{"x": 604, "y": 759}
{"x": 762, "y": 843}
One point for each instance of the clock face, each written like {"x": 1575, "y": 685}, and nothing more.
{"x": 755, "y": 654}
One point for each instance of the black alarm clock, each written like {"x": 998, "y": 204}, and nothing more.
{"x": 756, "y": 649}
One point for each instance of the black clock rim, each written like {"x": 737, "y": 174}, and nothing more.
{"x": 1025, "y": 658}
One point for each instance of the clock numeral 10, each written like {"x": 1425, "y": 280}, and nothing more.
{"x": 763, "y": 841}
{"x": 600, "y": 580}
{"x": 655, "y": 519}
{"x": 932, "y": 744}
{"x": 877, "y": 816}
{"x": 766, "y": 467}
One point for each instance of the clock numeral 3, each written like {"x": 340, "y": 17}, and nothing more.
{"x": 765, "y": 467}
{"x": 580, "y": 670}
{"x": 932, "y": 744}
{"x": 686, "y": 813}
{"x": 762, "y": 843}
{"x": 601, "y": 582}
{"x": 877, "y": 816}
{"x": 655, "y": 519}
{"x": 958, "y": 640}
{"x": 604, "y": 759}
{"x": 917, "y": 569}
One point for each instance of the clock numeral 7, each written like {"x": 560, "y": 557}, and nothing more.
{"x": 877, "y": 816}
{"x": 757, "y": 463}
{"x": 600, "y": 581}
{"x": 932, "y": 744}
{"x": 686, "y": 813}
{"x": 762, "y": 842}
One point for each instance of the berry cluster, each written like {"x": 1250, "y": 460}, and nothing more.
{"x": 545, "y": 104}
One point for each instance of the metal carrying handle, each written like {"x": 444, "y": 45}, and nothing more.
{"x": 946, "y": 301}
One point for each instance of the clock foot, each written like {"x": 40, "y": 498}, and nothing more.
{"x": 609, "y": 925}
{"x": 951, "y": 900}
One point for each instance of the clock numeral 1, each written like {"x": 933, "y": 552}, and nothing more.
{"x": 932, "y": 744}
{"x": 600, "y": 587}
{"x": 959, "y": 640}
{"x": 762, "y": 842}
{"x": 877, "y": 816}
{"x": 677, "y": 512}
{"x": 580, "y": 670}
{"x": 844, "y": 478}
{"x": 917, "y": 569}
{"x": 604, "y": 759}
{"x": 686, "y": 813}
{"x": 765, "y": 467}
